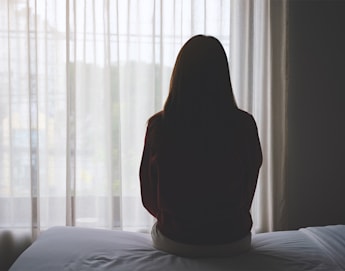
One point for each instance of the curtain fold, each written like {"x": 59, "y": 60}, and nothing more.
{"x": 79, "y": 79}
{"x": 279, "y": 82}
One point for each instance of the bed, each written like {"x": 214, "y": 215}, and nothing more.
{"x": 72, "y": 248}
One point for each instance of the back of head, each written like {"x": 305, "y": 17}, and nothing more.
{"x": 200, "y": 86}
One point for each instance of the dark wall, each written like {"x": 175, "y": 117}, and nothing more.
{"x": 316, "y": 113}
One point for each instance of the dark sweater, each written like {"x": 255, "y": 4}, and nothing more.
{"x": 200, "y": 184}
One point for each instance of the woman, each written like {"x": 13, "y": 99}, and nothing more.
{"x": 201, "y": 159}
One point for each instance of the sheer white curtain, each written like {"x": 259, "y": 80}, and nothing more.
{"x": 78, "y": 81}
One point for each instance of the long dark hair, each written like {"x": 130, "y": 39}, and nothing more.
{"x": 200, "y": 85}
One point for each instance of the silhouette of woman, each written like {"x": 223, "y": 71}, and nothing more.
{"x": 201, "y": 159}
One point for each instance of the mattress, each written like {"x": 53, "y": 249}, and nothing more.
{"x": 71, "y": 248}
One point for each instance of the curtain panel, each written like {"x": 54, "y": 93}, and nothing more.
{"x": 80, "y": 78}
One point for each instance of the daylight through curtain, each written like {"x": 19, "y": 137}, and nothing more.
{"x": 78, "y": 81}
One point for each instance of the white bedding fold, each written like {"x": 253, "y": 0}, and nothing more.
{"x": 66, "y": 248}
{"x": 331, "y": 239}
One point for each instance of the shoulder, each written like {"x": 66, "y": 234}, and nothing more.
{"x": 246, "y": 119}
{"x": 155, "y": 120}
{"x": 154, "y": 127}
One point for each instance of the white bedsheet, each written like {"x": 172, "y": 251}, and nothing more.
{"x": 67, "y": 248}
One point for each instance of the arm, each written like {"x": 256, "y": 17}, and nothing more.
{"x": 148, "y": 178}
{"x": 254, "y": 160}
